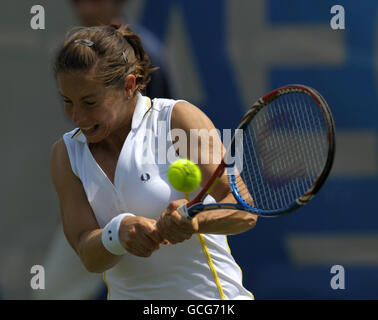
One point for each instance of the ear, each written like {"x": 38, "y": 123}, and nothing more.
{"x": 130, "y": 85}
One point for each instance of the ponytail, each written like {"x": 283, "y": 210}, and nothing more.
{"x": 112, "y": 51}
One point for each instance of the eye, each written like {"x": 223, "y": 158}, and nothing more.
{"x": 90, "y": 104}
{"x": 67, "y": 101}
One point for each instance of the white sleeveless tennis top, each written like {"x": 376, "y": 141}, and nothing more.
{"x": 199, "y": 268}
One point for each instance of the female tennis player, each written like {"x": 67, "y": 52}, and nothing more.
{"x": 117, "y": 206}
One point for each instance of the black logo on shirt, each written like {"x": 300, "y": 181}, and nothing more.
{"x": 145, "y": 177}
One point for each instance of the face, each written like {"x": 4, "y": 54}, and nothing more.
{"x": 97, "y": 110}
{"x": 96, "y": 12}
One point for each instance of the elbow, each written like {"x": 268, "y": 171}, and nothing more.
{"x": 90, "y": 264}
{"x": 97, "y": 263}
{"x": 92, "y": 267}
{"x": 99, "y": 267}
{"x": 251, "y": 221}
{"x": 247, "y": 222}
{"x": 91, "y": 260}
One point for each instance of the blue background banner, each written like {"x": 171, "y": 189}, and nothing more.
{"x": 340, "y": 226}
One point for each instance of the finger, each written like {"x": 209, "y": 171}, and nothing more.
{"x": 136, "y": 251}
{"x": 182, "y": 224}
{"x": 149, "y": 243}
{"x": 168, "y": 230}
{"x": 142, "y": 246}
{"x": 179, "y": 239}
{"x": 155, "y": 236}
{"x": 176, "y": 204}
{"x": 163, "y": 226}
{"x": 171, "y": 207}
{"x": 175, "y": 236}
{"x": 142, "y": 253}
{"x": 158, "y": 226}
{"x": 172, "y": 230}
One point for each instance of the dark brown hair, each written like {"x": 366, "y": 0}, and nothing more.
{"x": 112, "y": 51}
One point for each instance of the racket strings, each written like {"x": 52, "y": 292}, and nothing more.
{"x": 243, "y": 190}
{"x": 284, "y": 151}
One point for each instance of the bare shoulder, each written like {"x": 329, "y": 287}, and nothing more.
{"x": 58, "y": 154}
{"x": 187, "y": 116}
{"x": 58, "y": 150}
{"x": 60, "y": 168}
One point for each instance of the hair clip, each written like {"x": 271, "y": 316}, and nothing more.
{"x": 97, "y": 29}
{"x": 85, "y": 42}
{"x": 125, "y": 57}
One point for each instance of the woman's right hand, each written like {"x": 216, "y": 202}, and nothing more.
{"x": 139, "y": 236}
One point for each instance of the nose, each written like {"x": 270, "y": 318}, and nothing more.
{"x": 78, "y": 116}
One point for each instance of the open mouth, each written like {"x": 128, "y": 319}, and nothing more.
{"x": 90, "y": 131}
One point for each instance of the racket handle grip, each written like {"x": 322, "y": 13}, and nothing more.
{"x": 183, "y": 210}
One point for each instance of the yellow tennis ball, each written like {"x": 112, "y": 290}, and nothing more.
{"x": 184, "y": 175}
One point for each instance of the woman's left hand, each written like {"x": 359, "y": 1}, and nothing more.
{"x": 173, "y": 226}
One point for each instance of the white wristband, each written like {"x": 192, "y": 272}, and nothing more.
{"x": 110, "y": 235}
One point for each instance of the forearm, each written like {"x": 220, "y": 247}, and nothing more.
{"x": 225, "y": 221}
{"x": 93, "y": 253}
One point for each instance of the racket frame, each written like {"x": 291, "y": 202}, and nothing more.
{"x": 192, "y": 208}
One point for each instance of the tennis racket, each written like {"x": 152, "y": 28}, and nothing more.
{"x": 287, "y": 151}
